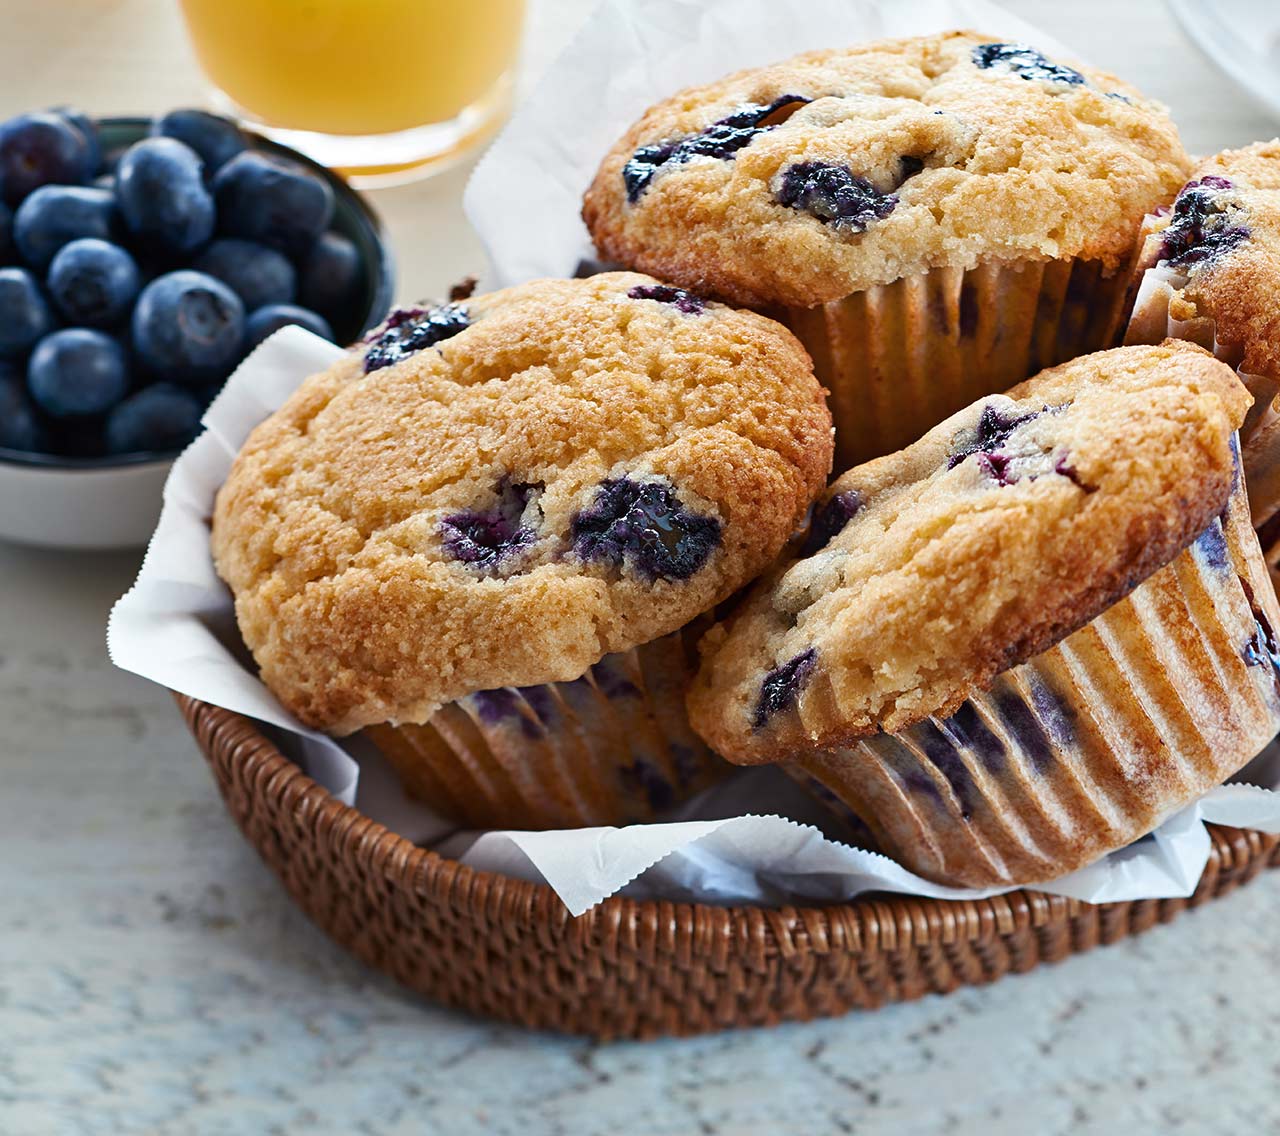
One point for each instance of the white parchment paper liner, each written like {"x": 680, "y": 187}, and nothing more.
{"x": 176, "y": 626}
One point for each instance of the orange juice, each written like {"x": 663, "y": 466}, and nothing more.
{"x": 355, "y": 67}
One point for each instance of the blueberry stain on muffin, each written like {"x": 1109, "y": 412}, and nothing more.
{"x": 645, "y": 777}
{"x": 835, "y": 195}
{"x": 1202, "y": 226}
{"x": 1025, "y": 62}
{"x": 782, "y": 685}
{"x": 944, "y": 756}
{"x": 678, "y": 298}
{"x": 484, "y": 539}
{"x": 967, "y": 726}
{"x": 722, "y": 139}
{"x": 641, "y": 524}
{"x": 829, "y": 520}
{"x": 410, "y": 330}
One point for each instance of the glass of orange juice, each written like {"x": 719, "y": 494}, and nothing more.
{"x": 383, "y": 90}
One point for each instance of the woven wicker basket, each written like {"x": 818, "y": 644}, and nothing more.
{"x": 509, "y": 949}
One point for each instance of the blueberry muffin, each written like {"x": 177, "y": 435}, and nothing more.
{"x": 1209, "y": 271}
{"x": 482, "y": 532}
{"x": 936, "y": 218}
{"x": 1026, "y": 639}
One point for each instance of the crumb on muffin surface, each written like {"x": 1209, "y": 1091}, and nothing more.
{"x": 802, "y": 182}
{"x": 577, "y": 468}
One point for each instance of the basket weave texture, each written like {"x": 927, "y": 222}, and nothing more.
{"x": 636, "y": 969}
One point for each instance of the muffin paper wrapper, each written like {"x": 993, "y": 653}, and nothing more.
{"x": 1152, "y": 321}
{"x": 754, "y": 838}
{"x": 1090, "y": 744}
{"x": 901, "y": 357}
{"x": 612, "y": 747}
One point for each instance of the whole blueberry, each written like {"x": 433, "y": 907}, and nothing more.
{"x": 88, "y": 129}
{"x": 57, "y": 214}
{"x": 216, "y": 139}
{"x": 329, "y": 277}
{"x": 257, "y": 274}
{"x": 40, "y": 149}
{"x": 77, "y": 372}
{"x": 273, "y": 201}
{"x": 24, "y": 314}
{"x": 158, "y": 417}
{"x": 162, "y": 195}
{"x": 270, "y": 319}
{"x": 6, "y": 233}
{"x": 20, "y": 427}
{"x": 188, "y": 327}
{"x": 93, "y": 283}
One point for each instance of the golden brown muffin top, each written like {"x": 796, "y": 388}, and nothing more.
{"x": 502, "y": 491}
{"x": 803, "y": 182}
{"x": 1007, "y": 527}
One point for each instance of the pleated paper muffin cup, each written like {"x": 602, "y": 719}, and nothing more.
{"x": 610, "y": 748}
{"x": 1090, "y": 745}
{"x": 1152, "y": 321}
{"x": 899, "y": 358}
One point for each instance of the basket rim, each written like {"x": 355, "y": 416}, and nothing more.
{"x": 889, "y": 921}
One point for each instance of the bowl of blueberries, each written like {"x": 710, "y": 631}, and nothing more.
{"x": 140, "y": 261}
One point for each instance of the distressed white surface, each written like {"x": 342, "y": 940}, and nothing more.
{"x": 153, "y": 978}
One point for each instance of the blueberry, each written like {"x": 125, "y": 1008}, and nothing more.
{"x": 484, "y": 539}
{"x": 642, "y": 524}
{"x": 678, "y": 298}
{"x": 40, "y": 149}
{"x": 20, "y": 427}
{"x": 1024, "y": 61}
{"x": 830, "y": 519}
{"x": 329, "y": 277}
{"x": 835, "y": 195}
{"x": 409, "y": 330}
{"x": 24, "y": 315}
{"x": 782, "y": 685}
{"x": 160, "y": 417}
{"x": 994, "y": 429}
{"x": 257, "y": 274}
{"x": 88, "y": 130}
{"x": 216, "y": 139}
{"x": 270, "y": 319}
{"x": 188, "y": 327}
{"x": 93, "y": 283}
{"x": 57, "y": 214}
{"x": 1201, "y": 225}
{"x": 722, "y": 139}
{"x": 162, "y": 195}
{"x": 77, "y": 372}
{"x": 6, "y": 233}
{"x": 273, "y": 201}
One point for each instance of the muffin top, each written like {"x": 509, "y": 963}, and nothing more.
{"x": 1222, "y": 241}
{"x": 926, "y": 573}
{"x": 501, "y": 491}
{"x": 806, "y": 181}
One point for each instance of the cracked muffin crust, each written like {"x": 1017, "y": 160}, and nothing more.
{"x": 502, "y": 491}
{"x": 927, "y": 573}
{"x": 829, "y": 173}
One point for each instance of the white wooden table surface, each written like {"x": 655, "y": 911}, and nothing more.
{"x": 154, "y": 979}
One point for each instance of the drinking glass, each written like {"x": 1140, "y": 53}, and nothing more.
{"x": 382, "y": 90}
